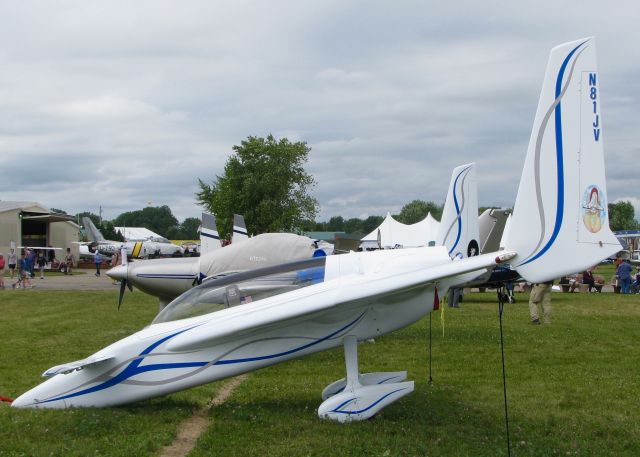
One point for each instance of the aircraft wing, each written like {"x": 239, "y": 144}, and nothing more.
{"x": 333, "y": 294}
{"x": 77, "y": 365}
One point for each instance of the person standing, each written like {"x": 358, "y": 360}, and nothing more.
{"x": 454, "y": 297}
{"x": 624, "y": 275}
{"x": 97, "y": 259}
{"x": 540, "y": 293}
{"x": 41, "y": 261}
{"x": 31, "y": 255}
{"x": 25, "y": 271}
{"x": 635, "y": 285}
{"x": 2, "y": 267}
{"x": 68, "y": 261}
{"x": 12, "y": 260}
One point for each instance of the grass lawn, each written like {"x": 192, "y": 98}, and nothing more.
{"x": 573, "y": 385}
{"x": 44, "y": 328}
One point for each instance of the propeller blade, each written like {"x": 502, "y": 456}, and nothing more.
{"x": 123, "y": 284}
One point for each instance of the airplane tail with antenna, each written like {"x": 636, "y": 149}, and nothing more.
{"x": 92, "y": 232}
{"x": 560, "y": 222}
{"x": 209, "y": 236}
{"x": 240, "y": 232}
{"x": 459, "y": 231}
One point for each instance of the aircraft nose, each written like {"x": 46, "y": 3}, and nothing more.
{"x": 25, "y": 400}
{"x": 118, "y": 272}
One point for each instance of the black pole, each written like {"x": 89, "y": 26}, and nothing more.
{"x": 430, "y": 378}
{"x": 504, "y": 372}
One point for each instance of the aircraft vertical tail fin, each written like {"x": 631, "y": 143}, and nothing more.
{"x": 505, "y": 233}
{"x": 92, "y": 232}
{"x": 459, "y": 224}
{"x": 491, "y": 224}
{"x": 560, "y": 222}
{"x": 209, "y": 236}
{"x": 239, "y": 229}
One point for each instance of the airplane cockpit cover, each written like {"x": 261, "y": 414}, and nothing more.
{"x": 245, "y": 287}
{"x": 260, "y": 251}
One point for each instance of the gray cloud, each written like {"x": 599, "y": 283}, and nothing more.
{"x": 120, "y": 104}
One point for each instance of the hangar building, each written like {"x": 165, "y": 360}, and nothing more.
{"x": 31, "y": 224}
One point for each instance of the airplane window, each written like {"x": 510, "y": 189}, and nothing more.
{"x": 241, "y": 288}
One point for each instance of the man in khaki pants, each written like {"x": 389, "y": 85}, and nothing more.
{"x": 540, "y": 293}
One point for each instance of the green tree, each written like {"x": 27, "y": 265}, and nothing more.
{"x": 622, "y": 216}
{"x": 353, "y": 225}
{"x": 265, "y": 181}
{"x": 335, "y": 224}
{"x": 310, "y": 226}
{"x": 371, "y": 223}
{"x": 189, "y": 228}
{"x": 417, "y": 210}
{"x": 109, "y": 232}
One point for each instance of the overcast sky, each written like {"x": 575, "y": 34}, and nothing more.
{"x": 123, "y": 104}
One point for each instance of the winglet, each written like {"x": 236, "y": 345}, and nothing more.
{"x": 560, "y": 221}
{"x": 77, "y": 365}
{"x": 459, "y": 224}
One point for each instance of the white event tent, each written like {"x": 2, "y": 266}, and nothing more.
{"x": 392, "y": 233}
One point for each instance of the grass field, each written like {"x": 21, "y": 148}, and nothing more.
{"x": 573, "y": 386}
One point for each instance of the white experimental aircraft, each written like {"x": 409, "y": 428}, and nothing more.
{"x": 353, "y": 297}
{"x": 168, "y": 278}
{"x": 135, "y": 249}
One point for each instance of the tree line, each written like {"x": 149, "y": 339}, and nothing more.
{"x": 162, "y": 221}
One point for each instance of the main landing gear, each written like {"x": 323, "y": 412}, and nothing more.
{"x": 360, "y": 396}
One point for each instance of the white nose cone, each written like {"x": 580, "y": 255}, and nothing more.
{"x": 118, "y": 273}
{"x": 23, "y": 401}
{"x": 31, "y": 399}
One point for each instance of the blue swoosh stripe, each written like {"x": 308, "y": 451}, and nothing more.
{"x": 131, "y": 370}
{"x": 381, "y": 382}
{"x": 280, "y": 354}
{"x": 455, "y": 202}
{"x": 337, "y": 410}
{"x": 134, "y": 369}
{"x": 165, "y": 276}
